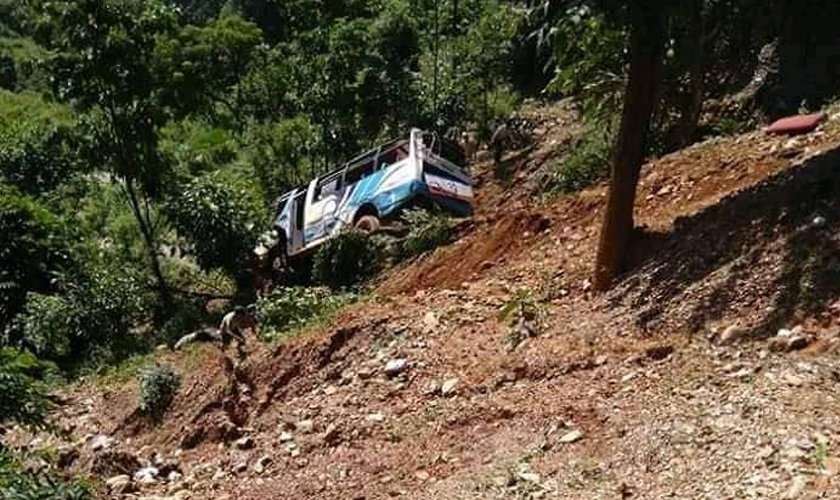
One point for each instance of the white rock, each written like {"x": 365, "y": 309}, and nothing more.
{"x": 174, "y": 476}
{"x": 285, "y": 437}
{"x": 785, "y": 333}
{"x": 305, "y": 426}
{"x": 449, "y": 387}
{"x": 431, "y": 320}
{"x": 240, "y": 467}
{"x": 376, "y": 417}
{"x": 571, "y": 437}
{"x": 117, "y": 481}
{"x": 818, "y": 221}
{"x": 734, "y": 333}
{"x": 101, "y": 443}
{"x": 530, "y": 477}
{"x": 146, "y": 475}
{"x": 262, "y": 464}
{"x": 395, "y": 367}
{"x": 245, "y": 443}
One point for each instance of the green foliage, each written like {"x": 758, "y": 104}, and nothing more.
{"x": 587, "y": 163}
{"x": 16, "y": 483}
{"x": 197, "y": 148}
{"x": 32, "y": 249}
{"x": 21, "y": 399}
{"x": 47, "y": 325}
{"x": 37, "y": 159}
{"x": 200, "y": 65}
{"x": 427, "y": 231}
{"x": 30, "y": 109}
{"x": 158, "y": 386}
{"x": 283, "y": 154}
{"x": 347, "y": 259}
{"x": 289, "y": 309}
{"x": 219, "y": 219}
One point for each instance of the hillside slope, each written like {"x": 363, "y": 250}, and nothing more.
{"x": 637, "y": 393}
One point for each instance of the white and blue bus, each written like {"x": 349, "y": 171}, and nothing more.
{"x": 371, "y": 189}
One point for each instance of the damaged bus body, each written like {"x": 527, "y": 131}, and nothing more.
{"x": 367, "y": 191}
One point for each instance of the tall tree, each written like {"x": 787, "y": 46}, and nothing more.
{"x": 103, "y": 63}
{"x": 647, "y": 40}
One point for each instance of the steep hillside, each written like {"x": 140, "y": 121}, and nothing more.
{"x": 673, "y": 385}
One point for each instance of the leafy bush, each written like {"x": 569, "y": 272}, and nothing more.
{"x": 32, "y": 248}
{"x": 158, "y": 385}
{"x": 47, "y": 325}
{"x": 347, "y": 259}
{"x": 220, "y": 220}
{"x": 21, "y": 400}
{"x": 37, "y": 158}
{"x": 287, "y": 309}
{"x": 19, "y": 484}
{"x": 427, "y": 231}
{"x": 586, "y": 164}
{"x": 90, "y": 321}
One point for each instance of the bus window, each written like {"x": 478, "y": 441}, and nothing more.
{"x": 328, "y": 186}
{"x": 357, "y": 172}
{"x": 393, "y": 155}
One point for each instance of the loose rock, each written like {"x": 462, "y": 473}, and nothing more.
{"x": 448, "y": 387}
{"x": 733, "y": 334}
{"x": 245, "y": 443}
{"x": 395, "y": 367}
{"x": 571, "y": 437}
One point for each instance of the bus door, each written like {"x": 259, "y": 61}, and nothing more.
{"x": 296, "y": 235}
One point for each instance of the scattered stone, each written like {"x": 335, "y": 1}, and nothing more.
{"x": 432, "y": 388}
{"x": 174, "y": 476}
{"x": 240, "y": 468}
{"x": 376, "y": 417}
{"x": 245, "y": 443}
{"x": 330, "y": 390}
{"x": 449, "y": 387}
{"x": 365, "y": 373}
{"x": 818, "y": 222}
{"x": 285, "y": 437}
{"x": 146, "y": 475}
{"x": 529, "y": 477}
{"x": 422, "y": 475}
{"x": 305, "y": 426}
{"x": 101, "y": 443}
{"x": 784, "y": 333}
{"x": 571, "y": 437}
{"x": 431, "y": 321}
{"x": 733, "y": 334}
{"x": 117, "y": 481}
{"x": 395, "y": 367}
{"x": 262, "y": 464}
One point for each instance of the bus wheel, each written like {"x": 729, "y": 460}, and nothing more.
{"x": 368, "y": 223}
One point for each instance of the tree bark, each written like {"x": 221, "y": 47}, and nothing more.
{"x": 647, "y": 41}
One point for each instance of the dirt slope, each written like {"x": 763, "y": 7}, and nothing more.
{"x": 624, "y": 395}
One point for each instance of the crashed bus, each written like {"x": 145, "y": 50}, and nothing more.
{"x": 372, "y": 189}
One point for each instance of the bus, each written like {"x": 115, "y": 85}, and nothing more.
{"x": 372, "y": 189}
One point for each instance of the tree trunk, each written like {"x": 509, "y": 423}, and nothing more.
{"x": 151, "y": 245}
{"x": 647, "y": 41}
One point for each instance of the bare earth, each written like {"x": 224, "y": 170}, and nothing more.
{"x": 629, "y": 394}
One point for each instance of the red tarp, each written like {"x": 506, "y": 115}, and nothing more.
{"x": 793, "y": 125}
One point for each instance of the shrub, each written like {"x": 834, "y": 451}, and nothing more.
{"x": 287, "y": 309}
{"x": 586, "y": 164}
{"x": 158, "y": 385}
{"x": 19, "y": 484}
{"x": 21, "y": 400}
{"x": 46, "y": 325}
{"x": 219, "y": 219}
{"x": 427, "y": 231}
{"x": 349, "y": 258}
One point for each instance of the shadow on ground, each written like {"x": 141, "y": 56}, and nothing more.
{"x": 759, "y": 251}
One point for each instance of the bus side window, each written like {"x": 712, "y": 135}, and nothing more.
{"x": 356, "y": 173}
{"x": 327, "y": 187}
